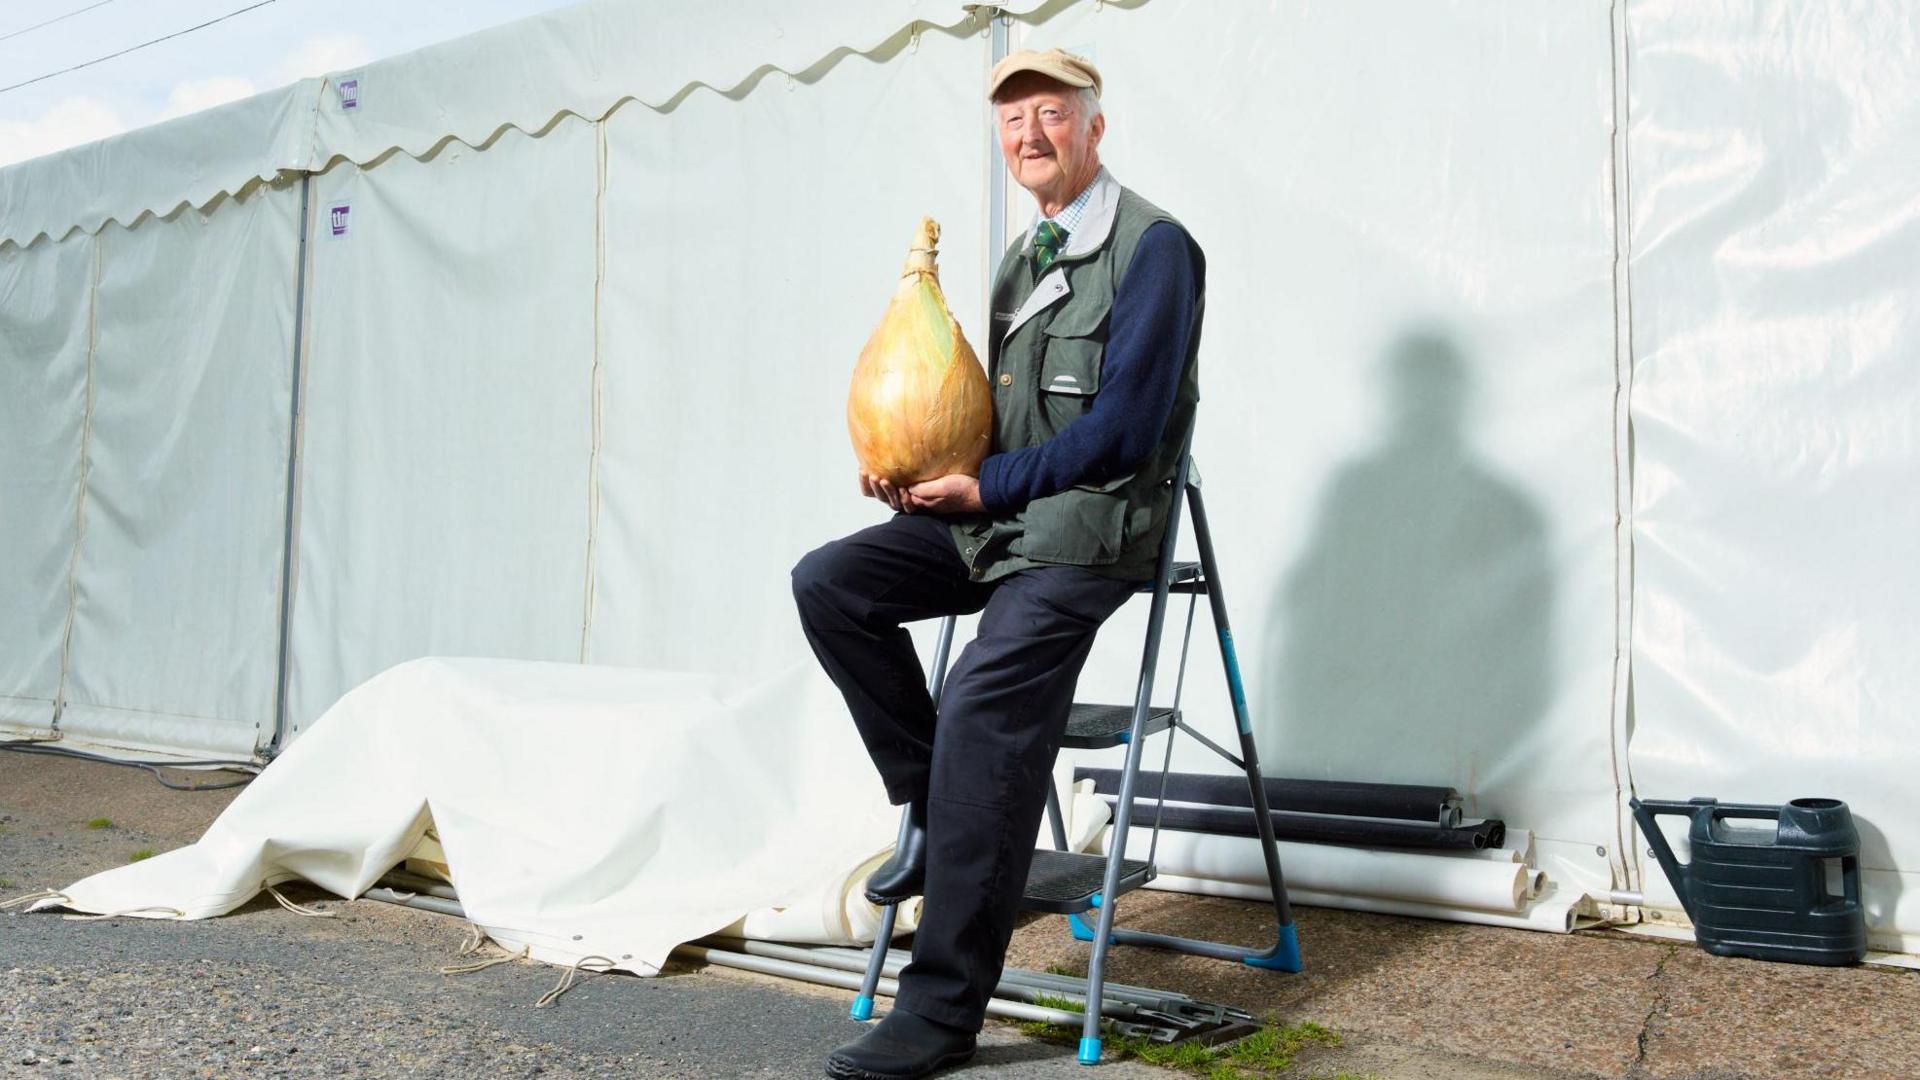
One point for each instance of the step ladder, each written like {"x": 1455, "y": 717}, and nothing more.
{"x": 1073, "y": 883}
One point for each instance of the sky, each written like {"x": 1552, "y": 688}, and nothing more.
{"x": 252, "y": 52}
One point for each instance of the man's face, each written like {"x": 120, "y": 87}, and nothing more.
{"x": 1051, "y": 147}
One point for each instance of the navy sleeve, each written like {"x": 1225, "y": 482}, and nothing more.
{"x": 1139, "y": 377}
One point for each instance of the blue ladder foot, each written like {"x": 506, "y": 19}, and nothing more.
{"x": 862, "y": 1008}
{"x": 1284, "y": 956}
{"x": 1089, "y": 1051}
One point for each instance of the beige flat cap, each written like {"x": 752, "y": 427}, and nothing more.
{"x": 1056, "y": 64}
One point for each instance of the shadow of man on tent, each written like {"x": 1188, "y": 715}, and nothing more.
{"x": 1414, "y": 634}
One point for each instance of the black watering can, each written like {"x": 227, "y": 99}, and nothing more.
{"x": 1790, "y": 892}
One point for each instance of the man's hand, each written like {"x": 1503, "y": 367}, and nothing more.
{"x": 956, "y": 493}
{"x": 878, "y": 487}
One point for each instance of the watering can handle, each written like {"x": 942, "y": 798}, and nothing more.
{"x": 1644, "y": 812}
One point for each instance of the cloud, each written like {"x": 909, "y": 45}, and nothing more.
{"x": 70, "y": 122}
{"x": 196, "y": 94}
{"x": 320, "y": 54}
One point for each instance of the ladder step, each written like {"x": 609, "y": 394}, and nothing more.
{"x": 1186, "y": 577}
{"x": 1093, "y": 727}
{"x": 1063, "y": 882}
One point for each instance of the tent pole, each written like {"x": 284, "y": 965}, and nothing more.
{"x": 272, "y": 747}
{"x": 999, "y": 34}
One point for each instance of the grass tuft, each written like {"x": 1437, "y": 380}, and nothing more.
{"x": 143, "y": 853}
{"x": 1272, "y": 1047}
{"x": 1055, "y": 1001}
{"x": 1258, "y": 1056}
{"x": 100, "y": 823}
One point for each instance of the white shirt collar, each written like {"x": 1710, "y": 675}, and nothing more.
{"x": 1069, "y": 216}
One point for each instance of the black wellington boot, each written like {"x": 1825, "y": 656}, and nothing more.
{"x": 905, "y": 875}
{"x": 902, "y": 1046}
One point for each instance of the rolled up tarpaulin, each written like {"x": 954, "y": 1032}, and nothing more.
{"x": 1319, "y": 829}
{"x": 838, "y": 915}
{"x": 1440, "y": 880}
{"x": 1551, "y": 912}
{"x": 1406, "y": 802}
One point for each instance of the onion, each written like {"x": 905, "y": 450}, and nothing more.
{"x": 919, "y": 407}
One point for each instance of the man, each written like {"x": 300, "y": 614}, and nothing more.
{"x": 1096, "y": 323}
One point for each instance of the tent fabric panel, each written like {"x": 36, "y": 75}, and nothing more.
{"x": 45, "y": 313}
{"x": 188, "y": 161}
{"x": 586, "y": 59}
{"x": 1776, "y": 262}
{"x": 443, "y": 498}
{"x": 581, "y": 61}
{"x": 1407, "y": 384}
{"x": 177, "y": 586}
{"x": 752, "y": 247}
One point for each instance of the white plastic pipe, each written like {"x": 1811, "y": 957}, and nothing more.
{"x": 1438, "y": 881}
{"x": 847, "y": 980}
{"x": 1550, "y": 913}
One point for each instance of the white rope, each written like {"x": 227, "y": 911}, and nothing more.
{"x": 312, "y": 913}
{"x": 602, "y": 966}
{"x": 525, "y": 953}
{"x": 170, "y": 912}
{"x": 475, "y": 939}
{"x": 32, "y": 897}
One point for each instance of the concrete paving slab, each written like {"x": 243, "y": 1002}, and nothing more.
{"x": 266, "y": 992}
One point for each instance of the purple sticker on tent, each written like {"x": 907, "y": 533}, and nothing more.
{"x": 337, "y": 219}
{"x": 349, "y": 94}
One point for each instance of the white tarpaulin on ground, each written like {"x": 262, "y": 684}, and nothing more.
{"x": 1544, "y": 345}
{"x": 700, "y": 801}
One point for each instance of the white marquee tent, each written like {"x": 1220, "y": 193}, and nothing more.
{"x": 1561, "y": 414}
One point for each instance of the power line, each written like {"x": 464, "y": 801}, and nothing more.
{"x": 136, "y": 48}
{"x": 55, "y": 19}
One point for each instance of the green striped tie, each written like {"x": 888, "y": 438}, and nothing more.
{"x": 1048, "y": 239}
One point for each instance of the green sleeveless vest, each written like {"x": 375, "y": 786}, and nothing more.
{"x": 1045, "y": 373}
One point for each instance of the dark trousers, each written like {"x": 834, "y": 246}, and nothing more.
{"x": 982, "y": 763}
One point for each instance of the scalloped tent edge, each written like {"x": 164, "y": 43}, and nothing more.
{"x": 526, "y": 75}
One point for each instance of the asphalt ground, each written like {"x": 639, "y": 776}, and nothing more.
{"x": 266, "y": 992}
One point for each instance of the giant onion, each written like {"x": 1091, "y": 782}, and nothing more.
{"x": 920, "y": 406}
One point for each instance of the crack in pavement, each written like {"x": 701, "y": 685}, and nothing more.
{"x": 1639, "y": 1066}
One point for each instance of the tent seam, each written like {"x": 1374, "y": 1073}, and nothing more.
{"x": 80, "y": 501}
{"x": 146, "y": 711}
{"x": 595, "y": 384}
{"x": 296, "y": 426}
{"x": 1621, "y": 690}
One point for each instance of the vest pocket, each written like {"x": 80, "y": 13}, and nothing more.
{"x": 1076, "y": 526}
{"x": 1069, "y": 378}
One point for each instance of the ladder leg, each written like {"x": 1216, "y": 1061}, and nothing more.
{"x": 877, "y": 956}
{"x": 1106, "y": 899}
{"x": 882, "y": 938}
{"x": 1054, "y": 817}
{"x": 1285, "y": 954}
